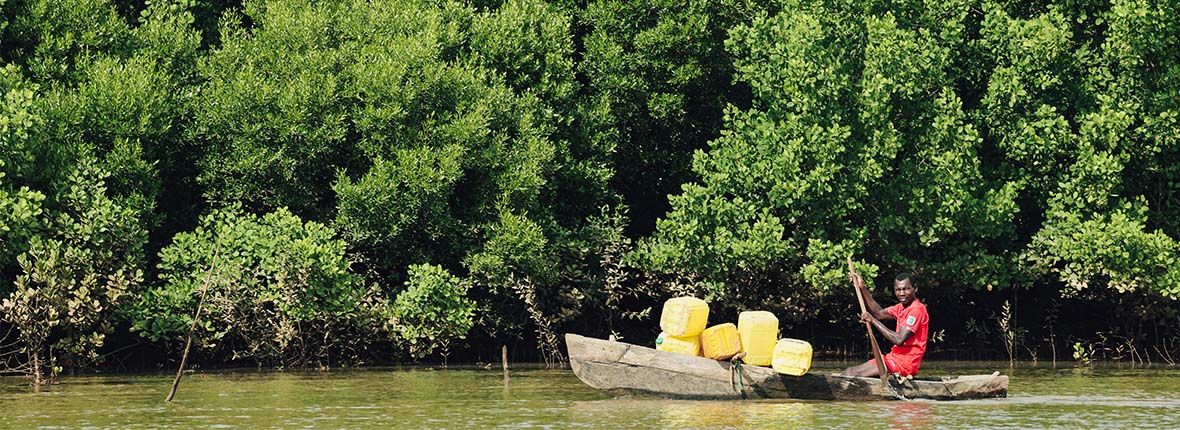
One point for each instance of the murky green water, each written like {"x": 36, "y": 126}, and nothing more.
{"x": 1120, "y": 398}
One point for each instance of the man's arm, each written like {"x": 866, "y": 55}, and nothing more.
{"x": 870, "y": 304}
{"x": 894, "y": 337}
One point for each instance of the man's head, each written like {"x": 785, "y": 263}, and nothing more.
{"x": 904, "y": 289}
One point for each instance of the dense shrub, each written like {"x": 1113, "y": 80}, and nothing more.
{"x": 1004, "y": 146}
{"x": 276, "y": 288}
{"x": 406, "y": 176}
{"x": 432, "y": 312}
{"x": 76, "y": 273}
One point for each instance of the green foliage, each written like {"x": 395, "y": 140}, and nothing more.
{"x": 493, "y": 160}
{"x": 449, "y": 131}
{"x": 272, "y": 119}
{"x": 74, "y": 276}
{"x": 54, "y": 37}
{"x": 1115, "y": 252}
{"x": 532, "y": 44}
{"x": 447, "y": 144}
{"x": 1081, "y": 354}
{"x": 276, "y": 287}
{"x": 432, "y": 311}
{"x": 1104, "y": 211}
{"x": 610, "y": 290}
{"x": 113, "y": 93}
{"x": 529, "y": 42}
{"x": 741, "y": 236}
{"x": 901, "y": 135}
{"x": 166, "y": 35}
{"x": 660, "y": 74}
{"x": 431, "y": 119}
{"x": 3, "y": 16}
{"x": 124, "y": 113}
{"x": 17, "y": 120}
{"x": 851, "y": 149}
{"x": 515, "y": 245}
{"x": 516, "y": 248}
{"x": 20, "y": 212}
{"x": 388, "y": 208}
{"x": 1088, "y": 239}
{"x": 79, "y": 244}
{"x": 20, "y": 207}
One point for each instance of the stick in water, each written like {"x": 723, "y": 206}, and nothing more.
{"x": 189, "y": 341}
{"x": 504, "y": 360}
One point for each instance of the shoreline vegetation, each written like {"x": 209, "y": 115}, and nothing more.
{"x": 367, "y": 183}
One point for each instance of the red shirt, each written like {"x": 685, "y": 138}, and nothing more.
{"x": 909, "y": 354}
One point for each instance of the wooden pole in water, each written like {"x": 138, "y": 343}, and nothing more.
{"x": 504, "y": 360}
{"x": 196, "y": 317}
{"x": 872, "y": 337}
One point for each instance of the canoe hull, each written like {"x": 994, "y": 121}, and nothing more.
{"x": 622, "y": 369}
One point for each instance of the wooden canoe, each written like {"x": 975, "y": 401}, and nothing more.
{"x": 621, "y": 369}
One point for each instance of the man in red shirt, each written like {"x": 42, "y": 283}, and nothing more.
{"x": 908, "y": 339}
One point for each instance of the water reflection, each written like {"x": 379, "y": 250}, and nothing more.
{"x": 687, "y": 414}
{"x": 459, "y": 399}
{"x": 684, "y": 415}
{"x": 784, "y": 414}
{"x": 911, "y": 415}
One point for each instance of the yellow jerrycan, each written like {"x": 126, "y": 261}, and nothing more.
{"x": 720, "y": 342}
{"x": 690, "y": 345}
{"x": 758, "y": 331}
{"x": 791, "y": 357}
{"x": 684, "y": 316}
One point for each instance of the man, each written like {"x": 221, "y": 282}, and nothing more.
{"x": 909, "y": 338}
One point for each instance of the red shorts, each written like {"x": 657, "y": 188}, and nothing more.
{"x": 896, "y": 365}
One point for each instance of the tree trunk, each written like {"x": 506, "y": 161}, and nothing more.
{"x": 36, "y": 368}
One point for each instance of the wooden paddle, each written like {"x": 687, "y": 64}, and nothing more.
{"x": 872, "y": 337}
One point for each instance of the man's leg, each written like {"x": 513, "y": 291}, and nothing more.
{"x": 866, "y": 370}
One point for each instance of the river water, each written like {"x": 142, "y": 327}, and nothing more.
{"x": 1039, "y": 397}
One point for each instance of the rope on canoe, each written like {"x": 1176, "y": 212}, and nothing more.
{"x": 889, "y": 387}
{"x": 735, "y": 372}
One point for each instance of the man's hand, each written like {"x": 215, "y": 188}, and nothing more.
{"x": 856, "y": 280}
{"x": 866, "y": 317}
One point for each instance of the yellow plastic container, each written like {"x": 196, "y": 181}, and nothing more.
{"x": 690, "y": 345}
{"x": 759, "y": 331}
{"x": 791, "y": 357}
{"x": 720, "y": 342}
{"x": 684, "y": 316}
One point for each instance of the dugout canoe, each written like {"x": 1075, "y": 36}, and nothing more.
{"x": 622, "y": 369}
